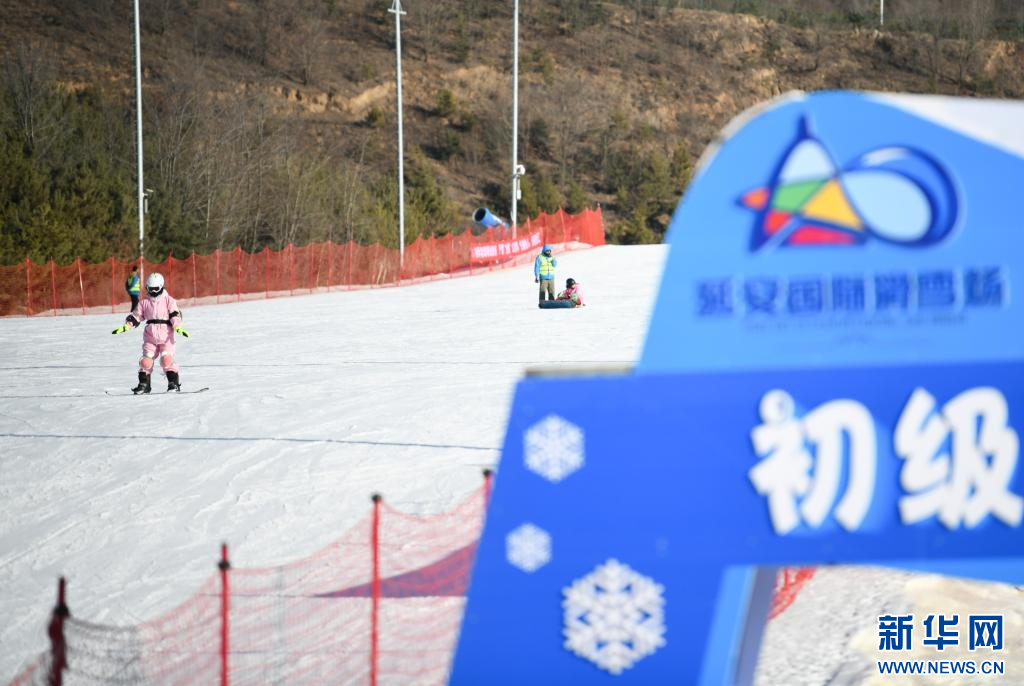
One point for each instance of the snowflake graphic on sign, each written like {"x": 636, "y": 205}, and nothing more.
{"x": 553, "y": 448}
{"x": 614, "y": 617}
{"x": 528, "y": 548}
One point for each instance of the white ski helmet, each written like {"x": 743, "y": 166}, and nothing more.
{"x": 155, "y": 284}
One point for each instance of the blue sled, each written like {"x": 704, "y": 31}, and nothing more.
{"x": 556, "y": 304}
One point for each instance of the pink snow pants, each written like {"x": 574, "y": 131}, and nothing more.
{"x": 162, "y": 351}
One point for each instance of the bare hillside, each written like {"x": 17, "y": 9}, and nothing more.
{"x": 615, "y": 102}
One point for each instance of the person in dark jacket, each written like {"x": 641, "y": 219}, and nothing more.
{"x": 133, "y": 285}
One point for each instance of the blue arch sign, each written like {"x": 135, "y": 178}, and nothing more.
{"x": 832, "y": 374}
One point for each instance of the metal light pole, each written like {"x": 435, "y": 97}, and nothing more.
{"x": 881, "y": 12}
{"x": 138, "y": 133}
{"x": 515, "y": 114}
{"x": 396, "y": 9}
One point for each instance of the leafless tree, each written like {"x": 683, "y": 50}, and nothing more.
{"x": 973, "y": 19}
{"x": 429, "y": 20}
{"x": 28, "y": 79}
{"x": 573, "y": 110}
{"x": 271, "y": 19}
{"x": 308, "y": 39}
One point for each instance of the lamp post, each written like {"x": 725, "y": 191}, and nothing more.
{"x": 396, "y": 9}
{"x": 515, "y": 114}
{"x": 519, "y": 171}
{"x": 881, "y": 12}
{"x": 138, "y": 133}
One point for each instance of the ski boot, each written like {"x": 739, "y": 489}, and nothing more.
{"x": 173, "y": 382}
{"x": 144, "y": 386}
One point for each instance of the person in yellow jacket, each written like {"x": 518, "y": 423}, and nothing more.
{"x": 133, "y": 285}
{"x": 544, "y": 273}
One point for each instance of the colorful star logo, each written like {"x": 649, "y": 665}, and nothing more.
{"x": 896, "y": 194}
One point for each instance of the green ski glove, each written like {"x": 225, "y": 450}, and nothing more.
{"x": 121, "y": 329}
{"x": 182, "y": 331}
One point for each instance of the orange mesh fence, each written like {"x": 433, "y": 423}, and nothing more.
{"x": 228, "y": 276}
{"x": 12, "y": 289}
{"x": 286, "y": 627}
{"x": 381, "y": 605}
{"x": 788, "y": 584}
{"x": 180, "y": 277}
{"x": 178, "y": 647}
{"x": 37, "y": 672}
{"x": 422, "y": 595}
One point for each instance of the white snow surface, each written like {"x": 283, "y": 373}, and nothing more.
{"x": 316, "y": 402}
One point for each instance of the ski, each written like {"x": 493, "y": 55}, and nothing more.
{"x": 197, "y": 390}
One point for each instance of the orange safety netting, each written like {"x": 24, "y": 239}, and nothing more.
{"x": 227, "y": 276}
{"x": 381, "y": 605}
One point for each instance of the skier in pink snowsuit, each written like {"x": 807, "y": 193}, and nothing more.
{"x": 162, "y": 318}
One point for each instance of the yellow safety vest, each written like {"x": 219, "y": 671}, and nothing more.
{"x": 547, "y": 265}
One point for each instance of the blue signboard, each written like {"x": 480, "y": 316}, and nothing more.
{"x": 837, "y": 229}
{"x": 670, "y": 482}
{"x": 832, "y": 374}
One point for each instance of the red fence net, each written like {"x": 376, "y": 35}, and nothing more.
{"x": 382, "y": 605}
{"x": 227, "y": 276}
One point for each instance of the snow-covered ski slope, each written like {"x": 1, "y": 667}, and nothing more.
{"x": 316, "y": 402}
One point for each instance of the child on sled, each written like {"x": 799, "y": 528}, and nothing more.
{"x": 571, "y": 292}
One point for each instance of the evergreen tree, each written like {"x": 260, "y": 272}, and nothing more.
{"x": 577, "y": 200}
{"x": 549, "y": 198}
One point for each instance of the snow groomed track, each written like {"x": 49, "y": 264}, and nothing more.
{"x": 315, "y": 403}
